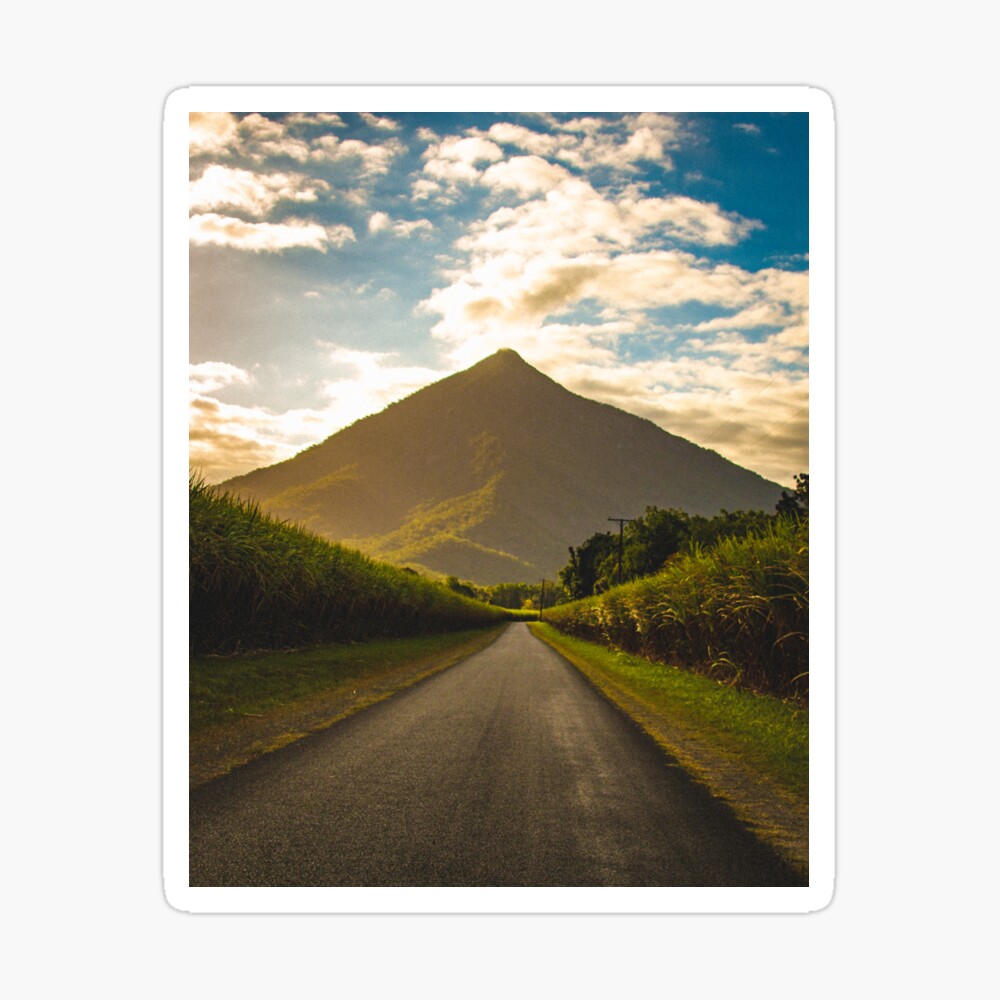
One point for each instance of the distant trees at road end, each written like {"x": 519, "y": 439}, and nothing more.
{"x": 513, "y": 596}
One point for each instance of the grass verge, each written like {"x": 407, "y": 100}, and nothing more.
{"x": 244, "y": 706}
{"x": 750, "y": 750}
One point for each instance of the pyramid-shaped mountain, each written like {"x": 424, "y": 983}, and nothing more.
{"x": 492, "y": 473}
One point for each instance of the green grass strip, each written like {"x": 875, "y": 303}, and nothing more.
{"x": 226, "y": 688}
{"x": 770, "y": 735}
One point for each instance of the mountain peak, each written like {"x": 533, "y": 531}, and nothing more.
{"x": 504, "y": 370}
{"x": 505, "y": 358}
{"x": 509, "y": 354}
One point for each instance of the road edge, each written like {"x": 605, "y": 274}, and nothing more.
{"x": 218, "y": 750}
{"x": 770, "y": 813}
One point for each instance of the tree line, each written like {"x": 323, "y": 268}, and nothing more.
{"x": 514, "y": 596}
{"x": 646, "y": 544}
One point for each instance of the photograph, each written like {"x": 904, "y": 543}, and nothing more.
{"x": 499, "y": 428}
{"x": 508, "y": 410}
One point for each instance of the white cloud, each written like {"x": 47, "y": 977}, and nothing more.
{"x": 385, "y": 124}
{"x": 454, "y": 161}
{"x": 324, "y": 118}
{"x": 526, "y": 175}
{"x": 667, "y": 128}
{"x": 211, "y": 131}
{"x": 451, "y": 171}
{"x": 264, "y": 138}
{"x": 508, "y": 292}
{"x": 469, "y": 150}
{"x": 588, "y": 142}
{"x": 372, "y": 159}
{"x": 210, "y": 376}
{"x": 690, "y": 221}
{"x": 748, "y": 128}
{"x": 227, "y": 440}
{"x": 589, "y": 126}
{"x": 339, "y": 235}
{"x": 218, "y": 230}
{"x": 574, "y": 218}
{"x": 539, "y": 143}
{"x": 221, "y": 186}
{"x": 380, "y": 222}
{"x": 620, "y": 145}
{"x": 769, "y": 312}
{"x": 406, "y": 227}
{"x": 260, "y": 138}
{"x": 424, "y": 189}
{"x": 753, "y": 356}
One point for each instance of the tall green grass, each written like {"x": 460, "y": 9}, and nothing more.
{"x": 258, "y": 583}
{"x": 738, "y": 611}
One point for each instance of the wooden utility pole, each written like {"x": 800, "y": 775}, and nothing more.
{"x": 622, "y": 521}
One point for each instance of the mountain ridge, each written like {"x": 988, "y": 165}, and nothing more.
{"x": 491, "y": 473}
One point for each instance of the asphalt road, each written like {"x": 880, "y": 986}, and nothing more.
{"x": 505, "y": 770}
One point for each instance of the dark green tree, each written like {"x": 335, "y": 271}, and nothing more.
{"x": 796, "y": 504}
{"x": 462, "y": 587}
{"x": 652, "y": 539}
{"x": 581, "y": 577}
{"x": 706, "y": 531}
{"x": 508, "y": 595}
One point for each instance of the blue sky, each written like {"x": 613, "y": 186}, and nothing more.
{"x": 341, "y": 261}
